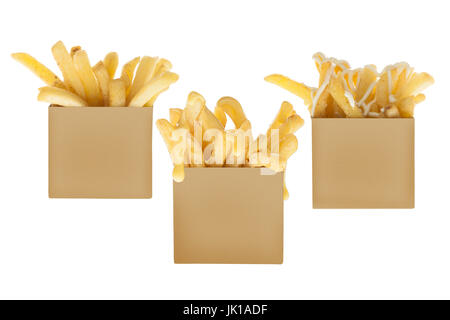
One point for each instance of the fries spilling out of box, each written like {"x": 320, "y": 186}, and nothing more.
{"x": 196, "y": 137}
{"x": 356, "y": 93}
{"x": 142, "y": 79}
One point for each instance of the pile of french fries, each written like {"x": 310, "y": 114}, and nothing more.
{"x": 355, "y": 93}
{"x": 197, "y": 137}
{"x": 140, "y": 83}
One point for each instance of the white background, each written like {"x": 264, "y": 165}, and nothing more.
{"x": 56, "y": 248}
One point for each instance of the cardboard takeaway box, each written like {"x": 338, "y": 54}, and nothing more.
{"x": 228, "y": 215}
{"x": 363, "y": 163}
{"x": 100, "y": 152}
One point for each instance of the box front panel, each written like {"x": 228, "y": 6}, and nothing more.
{"x": 100, "y": 152}
{"x": 363, "y": 163}
{"x": 228, "y": 215}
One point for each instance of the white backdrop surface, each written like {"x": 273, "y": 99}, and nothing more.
{"x": 56, "y": 248}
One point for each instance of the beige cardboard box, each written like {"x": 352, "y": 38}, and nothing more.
{"x": 228, "y": 215}
{"x": 363, "y": 163}
{"x": 100, "y": 152}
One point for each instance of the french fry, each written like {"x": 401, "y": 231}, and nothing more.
{"x": 333, "y": 110}
{"x": 102, "y": 76}
{"x": 344, "y": 100}
{"x": 208, "y": 120}
{"x": 288, "y": 146}
{"x": 152, "y": 88}
{"x": 419, "y": 98}
{"x": 74, "y": 50}
{"x": 221, "y": 116}
{"x": 111, "y": 61}
{"x": 406, "y": 107}
{"x": 117, "y": 93}
{"x": 418, "y": 82}
{"x": 299, "y": 89}
{"x": 233, "y": 108}
{"x": 87, "y": 76}
{"x": 382, "y": 91}
{"x": 70, "y": 74}
{"x": 286, "y": 110}
{"x": 194, "y": 105}
{"x": 392, "y": 112}
{"x": 39, "y": 69}
{"x": 128, "y": 72}
{"x": 144, "y": 73}
{"x": 162, "y": 66}
{"x": 60, "y": 97}
{"x": 176, "y": 149}
{"x": 285, "y": 190}
{"x": 291, "y": 125}
{"x": 175, "y": 115}
{"x": 368, "y": 78}
{"x": 152, "y": 101}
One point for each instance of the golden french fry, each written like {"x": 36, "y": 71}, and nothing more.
{"x": 286, "y": 110}
{"x": 175, "y": 115}
{"x": 233, "y": 108}
{"x": 152, "y": 101}
{"x": 128, "y": 72}
{"x": 102, "y": 76}
{"x": 166, "y": 129}
{"x": 291, "y": 125}
{"x": 152, "y": 88}
{"x": 392, "y": 111}
{"x": 382, "y": 91}
{"x": 326, "y": 71}
{"x": 144, "y": 73}
{"x": 299, "y": 89}
{"x": 111, "y": 61}
{"x": 175, "y": 145}
{"x": 221, "y": 116}
{"x": 402, "y": 79}
{"x": 73, "y": 50}
{"x": 194, "y": 106}
{"x": 419, "y": 98}
{"x": 194, "y": 154}
{"x": 367, "y": 82}
{"x": 209, "y": 121}
{"x": 344, "y": 99}
{"x": 178, "y": 172}
{"x": 162, "y": 66}
{"x": 406, "y": 107}
{"x": 87, "y": 76}
{"x": 71, "y": 78}
{"x": 39, "y": 69}
{"x": 333, "y": 110}
{"x": 418, "y": 82}
{"x": 246, "y": 130}
{"x": 285, "y": 190}
{"x": 60, "y": 97}
{"x": 245, "y": 125}
{"x": 117, "y": 93}
{"x": 288, "y": 146}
